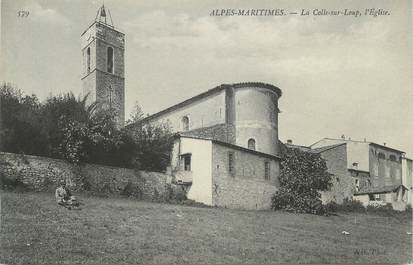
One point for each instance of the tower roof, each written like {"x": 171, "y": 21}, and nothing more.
{"x": 103, "y": 16}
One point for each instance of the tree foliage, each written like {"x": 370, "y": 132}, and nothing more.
{"x": 303, "y": 175}
{"x": 21, "y": 116}
{"x": 67, "y": 127}
{"x": 153, "y": 144}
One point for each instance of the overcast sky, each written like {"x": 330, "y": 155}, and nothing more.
{"x": 339, "y": 75}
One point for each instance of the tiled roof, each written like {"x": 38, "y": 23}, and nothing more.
{"x": 179, "y": 135}
{"x": 377, "y": 190}
{"x": 365, "y": 142}
{"x": 315, "y": 150}
{"x": 325, "y": 148}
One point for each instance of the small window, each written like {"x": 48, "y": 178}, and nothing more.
{"x": 231, "y": 162}
{"x": 186, "y": 162}
{"x": 267, "y": 170}
{"x": 251, "y": 144}
{"x": 88, "y": 59}
{"x": 338, "y": 179}
{"x": 110, "y": 60}
{"x": 392, "y": 158}
{"x": 357, "y": 184}
{"x": 382, "y": 156}
{"x": 185, "y": 123}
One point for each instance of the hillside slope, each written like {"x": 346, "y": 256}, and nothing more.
{"x": 114, "y": 230}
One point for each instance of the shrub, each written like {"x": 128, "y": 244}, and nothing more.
{"x": 12, "y": 184}
{"x": 346, "y": 206}
{"x": 303, "y": 175}
{"x": 133, "y": 191}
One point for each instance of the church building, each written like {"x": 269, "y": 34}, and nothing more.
{"x": 226, "y": 150}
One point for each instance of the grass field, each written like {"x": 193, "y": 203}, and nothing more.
{"x": 111, "y": 231}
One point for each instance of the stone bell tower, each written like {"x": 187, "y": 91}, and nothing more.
{"x": 103, "y": 71}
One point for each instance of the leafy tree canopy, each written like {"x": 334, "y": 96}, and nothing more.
{"x": 303, "y": 175}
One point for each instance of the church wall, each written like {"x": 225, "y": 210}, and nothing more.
{"x": 103, "y": 93}
{"x": 89, "y": 84}
{"x": 106, "y": 88}
{"x": 256, "y": 117}
{"x": 92, "y": 46}
{"x": 205, "y": 112}
{"x": 101, "y": 58}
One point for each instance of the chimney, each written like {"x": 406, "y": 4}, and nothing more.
{"x": 289, "y": 141}
{"x": 384, "y": 144}
{"x": 343, "y": 137}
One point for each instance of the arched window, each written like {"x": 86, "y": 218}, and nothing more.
{"x": 185, "y": 123}
{"x": 88, "y": 59}
{"x": 251, "y": 144}
{"x": 110, "y": 60}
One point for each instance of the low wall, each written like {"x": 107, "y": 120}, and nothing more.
{"x": 44, "y": 174}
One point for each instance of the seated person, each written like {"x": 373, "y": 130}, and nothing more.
{"x": 64, "y": 196}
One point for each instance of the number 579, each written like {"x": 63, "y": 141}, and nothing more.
{"x": 23, "y": 13}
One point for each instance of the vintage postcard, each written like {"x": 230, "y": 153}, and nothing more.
{"x": 206, "y": 132}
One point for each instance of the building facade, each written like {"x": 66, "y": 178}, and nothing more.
{"x": 103, "y": 66}
{"x": 225, "y": 175}
{"x": 375, "y": 170}
{"x": 407, "y": 176}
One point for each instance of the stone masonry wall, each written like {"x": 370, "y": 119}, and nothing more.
{"x": 43, "y": 174}
{"x": 336, "y": 160}
{"x": 246, "y": 188}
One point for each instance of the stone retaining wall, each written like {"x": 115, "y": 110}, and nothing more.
{"x": 43, "y": 174}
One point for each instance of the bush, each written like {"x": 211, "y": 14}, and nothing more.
{"x": 132, "y": 191}
{"x": 12, "y": 184}
{"x": 303, "y": 175}
{"x": 346, "y": 206}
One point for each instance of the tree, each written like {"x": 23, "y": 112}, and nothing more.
{"x": 303, "y": 175}
{"x": 67, "y": 127}
{"x": 61, "y": 111}
{"x": 153, "y": 145}
{"x": 21, "y": 130}
{"x": 137, "y": 114}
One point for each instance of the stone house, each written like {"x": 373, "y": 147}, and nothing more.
{"x": 407, "y": 175}
{"x": 222, "y": 174}
{"x": 336, "y": 160}
{"x": 375, "y": 170}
